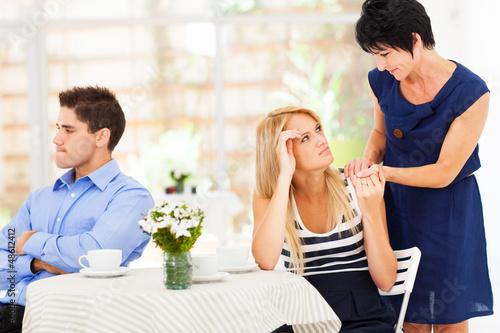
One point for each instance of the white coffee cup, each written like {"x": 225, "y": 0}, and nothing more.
{"x": 103, "y": 260}
{"x": 233, "y": 256}
{"x": 205, "y": 264}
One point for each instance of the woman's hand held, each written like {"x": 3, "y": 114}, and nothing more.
{"x": 370, "y": 193}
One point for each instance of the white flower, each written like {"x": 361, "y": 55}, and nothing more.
{"x": 182, "y": 232}
{"x": 162, "y": 224}
{"x": 177, "y": 213}
{"x": 193, "y": 222}
{"x": 184, "y": 224}
{"x": 174, "y": 219}
{"x": 144, "y": 225}
{"x": 169, "y": 221}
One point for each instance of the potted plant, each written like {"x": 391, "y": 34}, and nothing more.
{"x": 174, "y": 227}
{"x": 179, "y": 176}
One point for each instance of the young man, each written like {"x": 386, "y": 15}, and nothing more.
{"x": 92, "y": 206}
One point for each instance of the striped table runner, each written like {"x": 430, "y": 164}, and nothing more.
{"x": 257, "y": 301}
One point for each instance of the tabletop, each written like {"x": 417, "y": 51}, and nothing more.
{"x": 257, "y": 301}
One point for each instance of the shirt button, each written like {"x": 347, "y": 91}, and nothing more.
{"x": 398, "y": 133}
{"x": 58, "y": 219}
{"x": 72, "y": 195}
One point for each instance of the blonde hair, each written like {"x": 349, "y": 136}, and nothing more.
{"x": 267, "y": 172}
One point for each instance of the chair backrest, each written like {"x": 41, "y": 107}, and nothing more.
{"x": 408, "y": 261}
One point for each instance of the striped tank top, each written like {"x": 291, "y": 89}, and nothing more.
{"x": 331, "y": 252}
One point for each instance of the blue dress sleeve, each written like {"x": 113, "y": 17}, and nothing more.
{"x": 471, "y": 91}
{"x": 373, "y": 80}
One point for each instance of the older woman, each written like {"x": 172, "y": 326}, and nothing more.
{"x": 306, "y": 211}
{"x": 429, "y": 115}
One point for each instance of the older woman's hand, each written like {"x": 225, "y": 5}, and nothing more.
{"x": 367, "y": 172}
{"x": 353, "y": 167}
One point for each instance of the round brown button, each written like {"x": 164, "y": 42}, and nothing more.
{"x": 398, "y": 133}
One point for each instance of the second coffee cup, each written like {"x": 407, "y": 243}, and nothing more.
{"x": 233, "y": 256}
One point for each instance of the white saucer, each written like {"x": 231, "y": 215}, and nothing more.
{"x": 210, "y": 278}
{"x": 92, "y": 273}
{"x": 239, "y": 269}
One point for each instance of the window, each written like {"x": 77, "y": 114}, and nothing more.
{"x": 210, "y": 69}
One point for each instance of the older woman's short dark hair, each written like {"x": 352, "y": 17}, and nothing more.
{"x": 391, "y": 23}
{"x": 98, "y": 108}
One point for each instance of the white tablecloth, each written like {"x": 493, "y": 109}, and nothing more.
{"x": 257, "y": 301}
{"x": 219, "y": 207}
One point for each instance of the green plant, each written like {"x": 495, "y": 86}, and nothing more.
{"x": 179, "y": 174}
{"x": 174, "y": 227}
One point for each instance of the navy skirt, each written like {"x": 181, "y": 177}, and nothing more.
{"x": 452, "y": 283}
{"x": 356, "y": 301}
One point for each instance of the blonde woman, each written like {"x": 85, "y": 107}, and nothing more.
{"x": 325, "y": 228}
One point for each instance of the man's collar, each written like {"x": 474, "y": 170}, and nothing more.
{"x": 100, "y": 177}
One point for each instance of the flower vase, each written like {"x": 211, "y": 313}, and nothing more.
{"x": 179, "y": 186}
{"x": 177, "y": 270}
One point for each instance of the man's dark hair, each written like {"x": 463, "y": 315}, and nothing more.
{"x": 391, "y": 23}
{"x": 98, "y": 108}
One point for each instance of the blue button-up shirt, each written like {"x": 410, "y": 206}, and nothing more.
{"x": 100, "y": 210}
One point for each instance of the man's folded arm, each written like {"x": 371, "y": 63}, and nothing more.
{"x": 9, "y": 263}
{"x": 116, "y": 228}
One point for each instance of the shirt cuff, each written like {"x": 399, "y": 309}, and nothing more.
{"x": 35, "y": 244}
{"x": 23, "y": 266}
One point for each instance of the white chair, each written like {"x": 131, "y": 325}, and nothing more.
{"x": 408, "y": 261}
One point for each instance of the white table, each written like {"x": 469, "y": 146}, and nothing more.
{"x": 219, "y": 207}
{"x": 257, "y": 301}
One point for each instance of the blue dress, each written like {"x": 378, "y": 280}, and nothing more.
{"x": 447, "y": 224}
